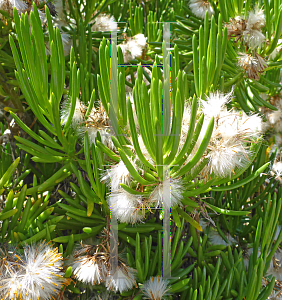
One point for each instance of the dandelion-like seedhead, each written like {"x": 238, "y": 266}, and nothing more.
{"x": 90, "y": 269}
{"x": 214, "y": 105}
{"x": 277, "y": 168}
{"x": 125, "y": 206}
{"x": 117, "y": 174}
{"x": 159, "y": 198}
{"x": 92, "y": 266}
{"x": 200, "y": 7}
{"x": 155, "y": 288}
{"x": 104, "y": 23}
{"x": 253, "y": 36}
{"x": 36, "y": 275}
{"x": 224, "y": 158}
{"x": 232, "y": 134}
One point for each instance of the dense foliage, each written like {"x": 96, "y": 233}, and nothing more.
{"x": 140, "y": 149}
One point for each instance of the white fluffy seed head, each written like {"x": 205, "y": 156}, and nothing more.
{"x": 44, "y": 276}
{"x": 104, "y": 23}
{"x": 89, "y": 271}
{"x": 215, "y": 104}
{"x": 275, "y": 119}
{"x": 117, "y": 174}
{"x": 140, "y": 40}
{"x": 125, "y": 206}
{"x": 155, "y": 288}
{"x": 38, "y": 275}
{"x": 105, "y": 134}
{"x": 10, "y": 285}
{"x": 253, "y": 38}
{"x": 250, "y": 126}
{"x": 231, "y": 137}
{"x": 256, "y": 19}
{"x": 167, "y": 194}
{"x": 224, "y": 159}
{"x": 123, "y": 279}
{"x": 200, "y": 7}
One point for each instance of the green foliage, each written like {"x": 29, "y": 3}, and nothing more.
{"x": 87, "y": 131}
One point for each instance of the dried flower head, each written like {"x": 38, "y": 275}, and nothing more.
{"x": 249, "y": 29}
{"x": 98, "y": 121}
{"x": 90, "y": 268}
{"x": 200, "y": 7}
{"x": 252, "y": 65}
{"x": 133, "y": 47}
{"x": 155, "y": 288}
{"x": 274, "y": 118}
{"x": 256, "y": 19}
{"x": 275, "y": 295}
{"x": 236, "y": 27}
{"x": 253, "y": 36}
